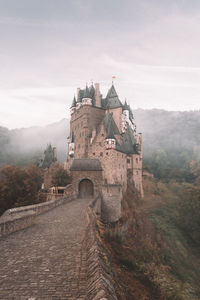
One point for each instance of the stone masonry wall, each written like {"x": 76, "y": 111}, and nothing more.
{"x": 82, "y": 122}
{"x": 100, "y": 283}
{"x": 114, "y": 163}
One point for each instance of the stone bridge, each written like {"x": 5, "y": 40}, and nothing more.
{"x": 54, "y": 259}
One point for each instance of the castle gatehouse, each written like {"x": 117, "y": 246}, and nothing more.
{"x": 86, "y": 177}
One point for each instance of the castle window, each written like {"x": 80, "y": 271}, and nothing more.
{"x": 128, "y": 161}
{"x": 136, "y": 172}
{"x": 137, "y": 160}
{"x": 106, "y": 153}
{"x": 102, "y": 134}
{"x": 93, "y": 153}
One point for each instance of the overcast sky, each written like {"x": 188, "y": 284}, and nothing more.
{"x": 48, "y": 48}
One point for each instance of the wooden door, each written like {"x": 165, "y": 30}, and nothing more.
{"x": 86, "y": 188}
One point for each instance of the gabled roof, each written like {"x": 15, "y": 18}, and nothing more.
{"x": 86, "y": 164}
{"x": 112, "y": 98}
{"x": 129, "y": 144}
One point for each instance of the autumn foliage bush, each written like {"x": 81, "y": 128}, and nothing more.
{"x": 19, "y": 186}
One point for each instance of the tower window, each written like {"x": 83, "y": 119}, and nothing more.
{"x": 93, "y": 153}
{"x": 101, "y": 153}
{"x": 136, "y": 160}
{"x": 128, "y": 161}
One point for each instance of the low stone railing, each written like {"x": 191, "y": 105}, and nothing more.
{"x": 12, "y": 223}
{"x": 15, "y": 219}
{"x": 99, "y": 274}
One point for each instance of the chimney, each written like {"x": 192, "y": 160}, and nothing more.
{"x": 78, "y": 90}
{"x": 97, "y": 95}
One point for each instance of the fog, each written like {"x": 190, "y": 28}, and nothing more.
{"x": 172, "y": 132}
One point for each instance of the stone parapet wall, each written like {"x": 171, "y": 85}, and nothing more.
{"x": 9, "y": 224}
{"x": 15, "y": 219}
{"x": 100, "y": 283}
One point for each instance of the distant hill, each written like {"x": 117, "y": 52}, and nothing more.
{"x": 170, "y": 138}
{"x": 25, "y": 145}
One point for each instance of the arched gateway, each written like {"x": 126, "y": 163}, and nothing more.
{"x": 86, "y": 176}
{"x": 86, "y": 188}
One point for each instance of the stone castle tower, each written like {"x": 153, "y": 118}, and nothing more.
{"x": 104, "y": 150}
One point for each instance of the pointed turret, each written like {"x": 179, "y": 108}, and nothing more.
{"x": 125, "y": 106}
{"x": 73, "y": 107}
{"x": 73, "y": 102}
{"x": 92, "y": 91}
{"x": 86, "y": 97}
{"x": 112, "y": 98}
{"x": 86, "y": 92}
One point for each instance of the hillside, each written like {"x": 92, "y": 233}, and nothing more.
{"x": 171, "y": 141}
{"x": 154, "y": 248}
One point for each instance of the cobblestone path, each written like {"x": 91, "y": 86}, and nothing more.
{"x": 45, "y": 261}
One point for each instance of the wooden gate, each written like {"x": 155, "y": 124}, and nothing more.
{"x": 86, "y": 188}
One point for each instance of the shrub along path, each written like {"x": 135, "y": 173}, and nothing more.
{"x": 45, "y": 261}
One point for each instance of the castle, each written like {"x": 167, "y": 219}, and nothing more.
{"x": 104, "y": 150}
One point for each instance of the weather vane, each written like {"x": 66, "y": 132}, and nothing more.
{"x": 113, "y": 77}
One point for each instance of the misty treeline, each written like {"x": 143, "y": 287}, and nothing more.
{"x": 26, "y": 145}
{"x": 171, "y": 143}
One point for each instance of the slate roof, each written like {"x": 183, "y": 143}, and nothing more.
{"x": 86, "y": 93}
{"x": 86, "y": 164}
{"x": 92, "y": 91}
{"x": 129, "y": 145}
{"x": 125, "y": 106}
{"x": 112, "y": 98}
{"x": 74, "y": 102}
{"x": 110, "y": 126}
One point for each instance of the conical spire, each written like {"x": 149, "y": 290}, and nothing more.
{"x": 74, "y": 102}
{"x": 125, "y": 106}
{"x": 92, "y": 91}
{"x": 112, "y": 98}
{"x": 86, "y": 92}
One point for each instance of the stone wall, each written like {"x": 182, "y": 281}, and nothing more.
{"x": 111, "y": 202}
{"x": 12, "y": 223}
{"x": 21, "y": 217}
{"x": 100, "y": 283}
{"x": 114, "y": 163}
